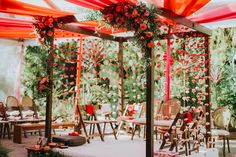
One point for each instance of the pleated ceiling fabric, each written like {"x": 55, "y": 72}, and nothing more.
{"x": 225, "y": 12}
{"x": 184, "y": 7}
{"x": 20, "y": 8}
{"x": 97, "y": 4}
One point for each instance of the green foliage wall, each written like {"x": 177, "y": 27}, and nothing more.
{"x": 34, "y": 69}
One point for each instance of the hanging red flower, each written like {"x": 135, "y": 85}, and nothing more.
{"x": 44, "y": 27}
{"x": 134, "y": 17}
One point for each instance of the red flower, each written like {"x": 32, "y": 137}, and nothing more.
{"x": 46, "y": 23}
{"x": 50, "y": 20}
{"x": 127, "y": 14}
{"x": 147, "y": 13}
{"x": 135, "y": 13}
{"x": 50, "y": 33}
{"x": 118, "y": 9}
{"x": 142, "y": 38}
{"x": 43, "y": 19}
{"x": 50, "y": 25}
{"x": 138, "y": 20}
{"x": 59, "y": 25}
{"x": 156, "y": 19}
{"x": 150, "y": 44}
{"x": 41, "y": 25}
{"x": 138, "y": 4}
{"x": 109, "y": 17}
{"x": 143, "y": 26}
{"x": 149, "y": 34}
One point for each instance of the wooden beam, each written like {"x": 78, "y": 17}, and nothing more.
{"x": 149, "y": 102}
{"x": 208, "y": 92}
{"x": 121, "y": 82}
{"x": 182, "y": 20}
{"x": 67, "y": 19}
{"x": 78, "y": 29}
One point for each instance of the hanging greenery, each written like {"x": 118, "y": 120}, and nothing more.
{"x": 134, "y": 17}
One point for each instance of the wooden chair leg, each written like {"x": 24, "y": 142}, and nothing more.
{"x": 1, "y": 130}
{"x": 144, "y": 132}
{"x": 156, "y": 133}
{"x": 4, "y": 130}
{"x": 8, "y": 131}
{"x": 214, "y": 140}
{"x": 100, "y": 132}
{"x": 90, "y": 129}
{"x": 93, "y": 130}
{"x": 40, "y": 133}
{"x": 113, "y": 129}
{"x": 228, "y": 144}
{"x": 25, "y": 134}
{"x": 104, "y": 128}
{"x": 133, "y": 132}
{"x": 119, "y": 127}
{"x": 223, "y": 146}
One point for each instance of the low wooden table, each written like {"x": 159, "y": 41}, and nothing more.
{"x": 20, "y": 128}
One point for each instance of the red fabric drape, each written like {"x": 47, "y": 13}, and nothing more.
{"x": 20, "y": 8}
{"x": 16, "y": 28}
{"x": 168, "y": 58}
{"x": 217, "y": 14}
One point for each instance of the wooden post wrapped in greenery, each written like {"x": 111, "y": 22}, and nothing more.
{"x": 44, "y": 27}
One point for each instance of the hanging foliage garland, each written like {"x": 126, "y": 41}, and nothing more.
{"x": 44, "y": 27}
{"x": 137, "y": 17}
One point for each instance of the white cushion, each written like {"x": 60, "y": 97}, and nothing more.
{"x": 216, "y": 132}
{"x": 165, "y": 123}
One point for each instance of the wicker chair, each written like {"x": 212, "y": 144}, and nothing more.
{"x": 28, "y": 109}
{"x": 13, "y": 107}
{"x": 221, "y": 119}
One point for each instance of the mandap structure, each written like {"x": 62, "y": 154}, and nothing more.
{"x": 165, "y": 20}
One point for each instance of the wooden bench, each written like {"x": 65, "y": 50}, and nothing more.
{"x": 20, "y": 128}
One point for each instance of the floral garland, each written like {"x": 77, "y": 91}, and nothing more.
{"x": 134, "y": 17}
{"x": 44, "y": 27}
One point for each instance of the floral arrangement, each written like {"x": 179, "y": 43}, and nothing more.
{"x": 134, "y": 17}
{"x": 44, "y": 27}
{"x": 43, "y": 84}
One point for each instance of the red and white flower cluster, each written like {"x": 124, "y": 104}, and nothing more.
{"x": 44, "y": 27}
{"x": 134, "y": 17}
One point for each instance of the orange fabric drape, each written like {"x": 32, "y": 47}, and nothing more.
{"x": 20, "y": 8}
{"x": 184, "y": 7}
{"x": 18, "y": 28}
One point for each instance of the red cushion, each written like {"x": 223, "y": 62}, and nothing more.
{"x": 89, "y": 109}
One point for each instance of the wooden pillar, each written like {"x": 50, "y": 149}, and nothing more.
{"x": 149, "y": 102}
{"x": 48, "y": 127}
{"x": 208, "y": 97}
{"x": 121, "y": 82}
